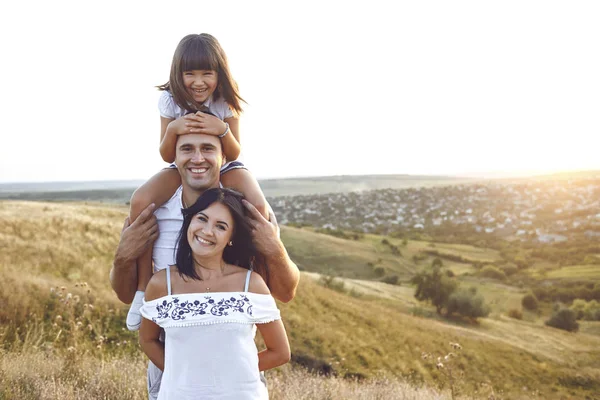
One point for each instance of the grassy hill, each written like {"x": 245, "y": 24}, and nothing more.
{"x": 376, "y": 331}
{"x": 319, "y": 252}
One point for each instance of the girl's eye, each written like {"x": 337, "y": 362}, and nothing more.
{"x": 202, "y": 218}
{"x": 221, "y": 227}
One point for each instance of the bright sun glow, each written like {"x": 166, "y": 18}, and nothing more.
{"x": 465, "y": 87}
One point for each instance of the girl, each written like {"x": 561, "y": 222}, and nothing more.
{"x": 209, "y": 321}
{"x": 200, "y": 97}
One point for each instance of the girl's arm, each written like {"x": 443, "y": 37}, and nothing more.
{"x": 169, "y": 130}
{"x": 149, "y": 331}
{"x": 231, "y": 141}
{"x": 273, "y": 333}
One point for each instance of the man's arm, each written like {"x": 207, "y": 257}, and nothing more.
{"x": 135, "y": 239}
{"x": 283, "y": 273}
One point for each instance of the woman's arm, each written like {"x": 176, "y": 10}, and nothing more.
{"x": 273, "y": 333}
{"x": 149, "y": 331}
{"x": 278, "y": 348}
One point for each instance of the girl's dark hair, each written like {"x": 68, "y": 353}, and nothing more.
{"x": 241, "y": 253}
{"x": 202, "y": 52}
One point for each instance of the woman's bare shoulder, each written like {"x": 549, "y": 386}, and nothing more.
{"x": 258, "y": 284}
{"x": 157, "y": 287}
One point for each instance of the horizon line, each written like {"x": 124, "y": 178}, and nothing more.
{"x": 466, "y": 175}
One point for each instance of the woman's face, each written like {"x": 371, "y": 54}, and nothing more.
{"x": 210, "y": 230}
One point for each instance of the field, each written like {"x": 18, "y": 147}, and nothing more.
{"x": 367, "y": 336}
{"x": 318, "y": 252}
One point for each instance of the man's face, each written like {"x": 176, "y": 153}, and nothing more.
{"x": 199, "y": 158}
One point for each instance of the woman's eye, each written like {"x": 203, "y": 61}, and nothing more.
{"x": 221, "y": 227}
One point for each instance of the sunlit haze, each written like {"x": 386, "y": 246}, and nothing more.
{"x": 377, "y": 87}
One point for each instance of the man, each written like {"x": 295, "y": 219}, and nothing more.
{"x": 199, "y": 158}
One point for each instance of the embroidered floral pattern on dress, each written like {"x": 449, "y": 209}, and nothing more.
{"x": 179, "y": 310}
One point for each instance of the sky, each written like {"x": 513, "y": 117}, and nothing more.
{"x": 470, "y": 88}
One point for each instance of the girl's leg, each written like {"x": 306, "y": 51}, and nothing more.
{"x": 158, "y": 190}
{"x": 242, "y": 180}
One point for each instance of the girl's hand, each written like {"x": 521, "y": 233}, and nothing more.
{"x": 204, "y": 123}
{"x": 178, "y": 126}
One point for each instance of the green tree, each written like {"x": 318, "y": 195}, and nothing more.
{"x": 434, "y": 286}
{"x": 529, "y": 301}
{"x": 468, "y": 303}
{"x": 437, "y": 262}
{"x": 564, "y": 319}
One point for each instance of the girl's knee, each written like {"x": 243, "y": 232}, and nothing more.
{"x": 260, "y": 203}
{"x": 139, "y": 201}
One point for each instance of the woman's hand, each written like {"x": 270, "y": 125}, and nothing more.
{"x": 204, "y": 123}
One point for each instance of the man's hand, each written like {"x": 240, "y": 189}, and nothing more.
{"x": 137, "y": 237}
{"x": 265, "y": 233}
{"x": 283, "y": 273}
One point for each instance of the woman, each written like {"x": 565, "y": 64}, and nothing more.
{"x": 208, "y": 305}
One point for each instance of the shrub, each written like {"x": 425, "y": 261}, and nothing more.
{"x": 333, "y": 283}
{"x": 490, "y": 271}
{"x": 564, "y": 319}
{"x": 467, "y": 303}
{"x": 379, "y": 271}
{"x": 391, "y": 279}
{"x": 509, "y": 270}
{"x": 437, "y": 262}
{"x": 578, "y": 308}
{"x": 590, "y": 259}
{"x": 529, "y": 301}
{"x": 395, "y": 250}
{"x": 589, "y": 311}
{"x": 515, "y": 313}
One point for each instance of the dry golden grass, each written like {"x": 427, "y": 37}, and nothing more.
{"x": 76, "y": 351}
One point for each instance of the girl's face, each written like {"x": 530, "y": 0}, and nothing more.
{"x": 210, "y": 230}
{"x": 200, "y": 83}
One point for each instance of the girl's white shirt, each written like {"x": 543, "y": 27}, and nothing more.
{"x": 169, "y": 109}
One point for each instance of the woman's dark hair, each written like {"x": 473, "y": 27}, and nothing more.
{"x": 202, "y": 52}
{"x": 241, "y": 253}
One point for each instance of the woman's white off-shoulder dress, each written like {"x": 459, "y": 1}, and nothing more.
{"x": 209, "y": 343}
